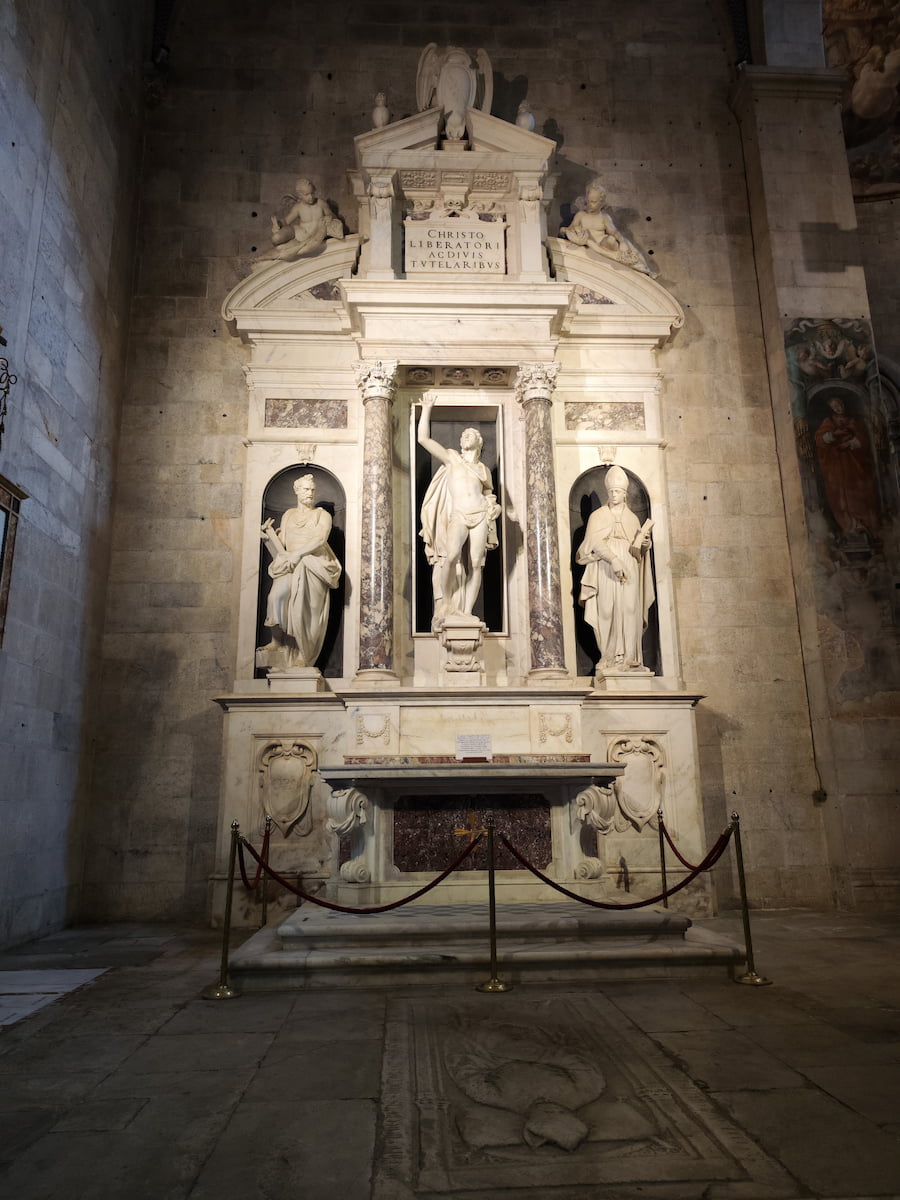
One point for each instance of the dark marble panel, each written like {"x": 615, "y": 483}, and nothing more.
{"x": 430, "y": 831}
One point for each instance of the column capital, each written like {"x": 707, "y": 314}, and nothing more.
{"x": 377, "y": 380}
{"x": 536, "y": 381}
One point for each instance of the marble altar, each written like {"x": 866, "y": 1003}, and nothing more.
{"x": 550, "y": 353}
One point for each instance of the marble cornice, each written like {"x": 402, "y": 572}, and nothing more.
{"x": 411, "y": 697}
{"x": 784, "y": 83}
{"x": 612, "y": 699}
{"x": 242, "y": 701}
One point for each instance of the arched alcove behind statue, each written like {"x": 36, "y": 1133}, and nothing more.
{"x": 589, "y": 493}
{"x": 277, "y": 498}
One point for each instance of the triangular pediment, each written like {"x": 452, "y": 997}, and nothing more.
{"x": 413, "y": 142}
{"x": 490, "y": 133}
{"x": 419, "y": 132}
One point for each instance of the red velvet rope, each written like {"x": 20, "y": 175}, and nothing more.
{"x": 264, "y": 858}
{"x": 684, "y": 862}
{"x": 242, "y": 842}
{"x": 711, "y": 859}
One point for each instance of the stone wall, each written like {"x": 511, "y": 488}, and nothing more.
{"x": 69, "y": 115}
{"x": 879, "y": 238}
{"x": 259, "y": 95}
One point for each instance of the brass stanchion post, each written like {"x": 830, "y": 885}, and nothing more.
{"x": 662, "y": 856}
{"x": 750, "y": 976}
{"x": 222, "y": 990}
{"x": 264, "y": 878}
{"x": 493, "y": 984}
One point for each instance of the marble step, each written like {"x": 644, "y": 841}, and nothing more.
{"x": 434, "y": 944}
{"x": 311, "y": 927}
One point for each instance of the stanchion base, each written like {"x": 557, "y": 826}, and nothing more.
{"x": 753, "y": 980}
{"x": 494, "y": 985}
{"x": 219, "y": 991}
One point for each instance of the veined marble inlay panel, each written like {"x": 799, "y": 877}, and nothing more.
{"x": 306, "y": 414}
{"x": 550, "y": 1096}
{"x": 599, "y": 415}
{"x": 430, "y": 831}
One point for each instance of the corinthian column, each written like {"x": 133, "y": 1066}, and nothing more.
{"x": 534, "y": 387}
{"x": 376, "y": 382}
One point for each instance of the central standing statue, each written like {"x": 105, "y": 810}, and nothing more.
{"x": 459, "y": 520}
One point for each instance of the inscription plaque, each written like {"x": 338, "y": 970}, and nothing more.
{"x": 455, "y": 246}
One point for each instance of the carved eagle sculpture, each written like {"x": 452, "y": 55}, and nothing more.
{"x": 447, "y": 77}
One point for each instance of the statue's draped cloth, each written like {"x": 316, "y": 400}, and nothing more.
{"x": 617, "y": 611}
{"x": 298, "y": 598}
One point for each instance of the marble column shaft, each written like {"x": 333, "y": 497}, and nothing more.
{"x": 534, "y": 387}
{"x": 376, "y": 592}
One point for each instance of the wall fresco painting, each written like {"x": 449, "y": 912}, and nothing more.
{"x": 844, "y": 421}
{"x": 840, "y": 431}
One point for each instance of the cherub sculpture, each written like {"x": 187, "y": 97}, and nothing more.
{"x": 593, "y": 228}
{"x": 448, "y": 79}
{"x": 306, "y": 225}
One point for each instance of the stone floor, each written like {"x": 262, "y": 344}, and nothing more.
{"x": 132, "y": 1086}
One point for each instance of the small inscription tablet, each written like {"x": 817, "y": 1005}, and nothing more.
{"x": 474, "y": 745}
{"x": 458, "y": 246}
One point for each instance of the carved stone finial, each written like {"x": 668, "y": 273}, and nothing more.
{"x": 525, "y": 117}
{"x": 380, "y": 114}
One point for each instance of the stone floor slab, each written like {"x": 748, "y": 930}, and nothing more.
{"x": 198, "y": 1052}
{"x": 538, "y": 1095}
{"x": 831, "y": 1150}
{"x": 722, "y": 1060}
{"x": 331, "y": 1070}
{"x": 872, "y": 1090}
{"x": 319, "y": 1150}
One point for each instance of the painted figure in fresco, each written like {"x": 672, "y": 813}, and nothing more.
{"x": 594, "y": 228}
{"x": 845, "y": 464}
{"x": 617, "y": 586}
{"x": 459, "y": 520}
{"x": 305, "y": 227}
{"x": 303, "y": 570}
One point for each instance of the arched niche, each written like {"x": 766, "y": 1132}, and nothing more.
{"x": 589, "y": 493}
{"x": 279, "y": 496}
{"x": 852, "y": 494}
{"x": 448, "y": 422}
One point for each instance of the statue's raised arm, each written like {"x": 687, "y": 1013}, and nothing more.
{"x": 459, "y": 520}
